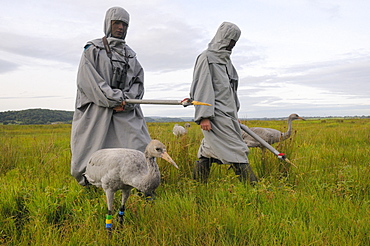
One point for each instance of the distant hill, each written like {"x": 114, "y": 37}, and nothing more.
{"x": 48, "y": 116}
{"x": 35, "y": 117}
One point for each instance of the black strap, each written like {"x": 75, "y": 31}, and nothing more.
{"x": 107, "y": 48}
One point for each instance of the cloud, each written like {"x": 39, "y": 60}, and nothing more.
{"x": 322, "y": 86}
{"x": 6, "y": 66}
{"x": 39, "y": 47}
{"x": 347, "y": 75}
{"x": 167, "y": 47}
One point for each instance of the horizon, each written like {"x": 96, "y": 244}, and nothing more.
{"x": 190, "y": 117}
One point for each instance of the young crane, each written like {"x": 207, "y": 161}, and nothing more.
{"x": 124, "y": 169}
{"x": 180, "y": 130}
{"x": 270, "y": 135}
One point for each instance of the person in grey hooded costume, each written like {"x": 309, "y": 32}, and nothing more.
{"x": 215, "y": 81}
{"x": 105, "y": 79}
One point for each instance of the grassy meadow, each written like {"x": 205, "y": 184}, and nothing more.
{"x": 324, "y": 201}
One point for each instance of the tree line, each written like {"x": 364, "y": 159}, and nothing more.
{"x": 35, "y": 117}
{"x": 47, "y": 116}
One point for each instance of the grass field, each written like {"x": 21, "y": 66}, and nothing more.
{"x": 324, "y": 201}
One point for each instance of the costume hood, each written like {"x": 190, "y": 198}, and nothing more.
{"x": 216, "y": 51}
{"x": 115, "y": 13}
{"x": 225, "y": 33}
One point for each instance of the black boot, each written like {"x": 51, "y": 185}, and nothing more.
{"x": 202, "y": 169}
{"x": 244, "y": 172}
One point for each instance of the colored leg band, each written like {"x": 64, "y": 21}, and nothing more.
{"x": 108, "y": 221}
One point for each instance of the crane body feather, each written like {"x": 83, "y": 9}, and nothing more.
{"x": 110, "y": 168}
{"x": 270, "y": 135}
{"x": 124, "y": 169}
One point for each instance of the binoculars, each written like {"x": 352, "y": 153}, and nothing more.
{"x": 119, "y": 78}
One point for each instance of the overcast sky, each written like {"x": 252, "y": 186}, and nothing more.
{"x": 310, "y": 57}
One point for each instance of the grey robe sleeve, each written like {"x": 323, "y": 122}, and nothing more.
{"x": 92, "y": 86}
{"x": 202, "y": 89}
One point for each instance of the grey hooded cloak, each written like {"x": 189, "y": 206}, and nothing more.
{"x": 95, "y": 124}
{"x": 215, "y": 81}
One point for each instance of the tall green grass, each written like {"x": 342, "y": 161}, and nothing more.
{"x": 324, "y": 201}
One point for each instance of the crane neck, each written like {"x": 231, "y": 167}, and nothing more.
{"x": 288, "y": 133}
{"x": 152, "y": 165}
{"x": 150, "y": 181}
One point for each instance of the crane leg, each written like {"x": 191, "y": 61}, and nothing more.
{"x": 110, "y": 197}
{"x": 109, "y": 221}
{"x": 202, "y": 169}
{"x": 121, "y": 213}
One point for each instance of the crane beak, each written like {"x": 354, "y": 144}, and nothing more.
{"x": 168, "y": 158}
{"x": 301, "y": 118}
{"x": 200, "y": 103}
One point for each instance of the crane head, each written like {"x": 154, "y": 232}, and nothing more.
{"x": 296, "y": 117}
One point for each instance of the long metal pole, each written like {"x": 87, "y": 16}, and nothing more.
{"x": 265, "y": 144}
{"x": 150, "y": 101}
{"x": 185, "y": 102}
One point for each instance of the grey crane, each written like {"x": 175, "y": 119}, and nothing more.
{"x": 123, "y": 169}
{"x": 180, "y": 130}
{"x": 270, "y": 135}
